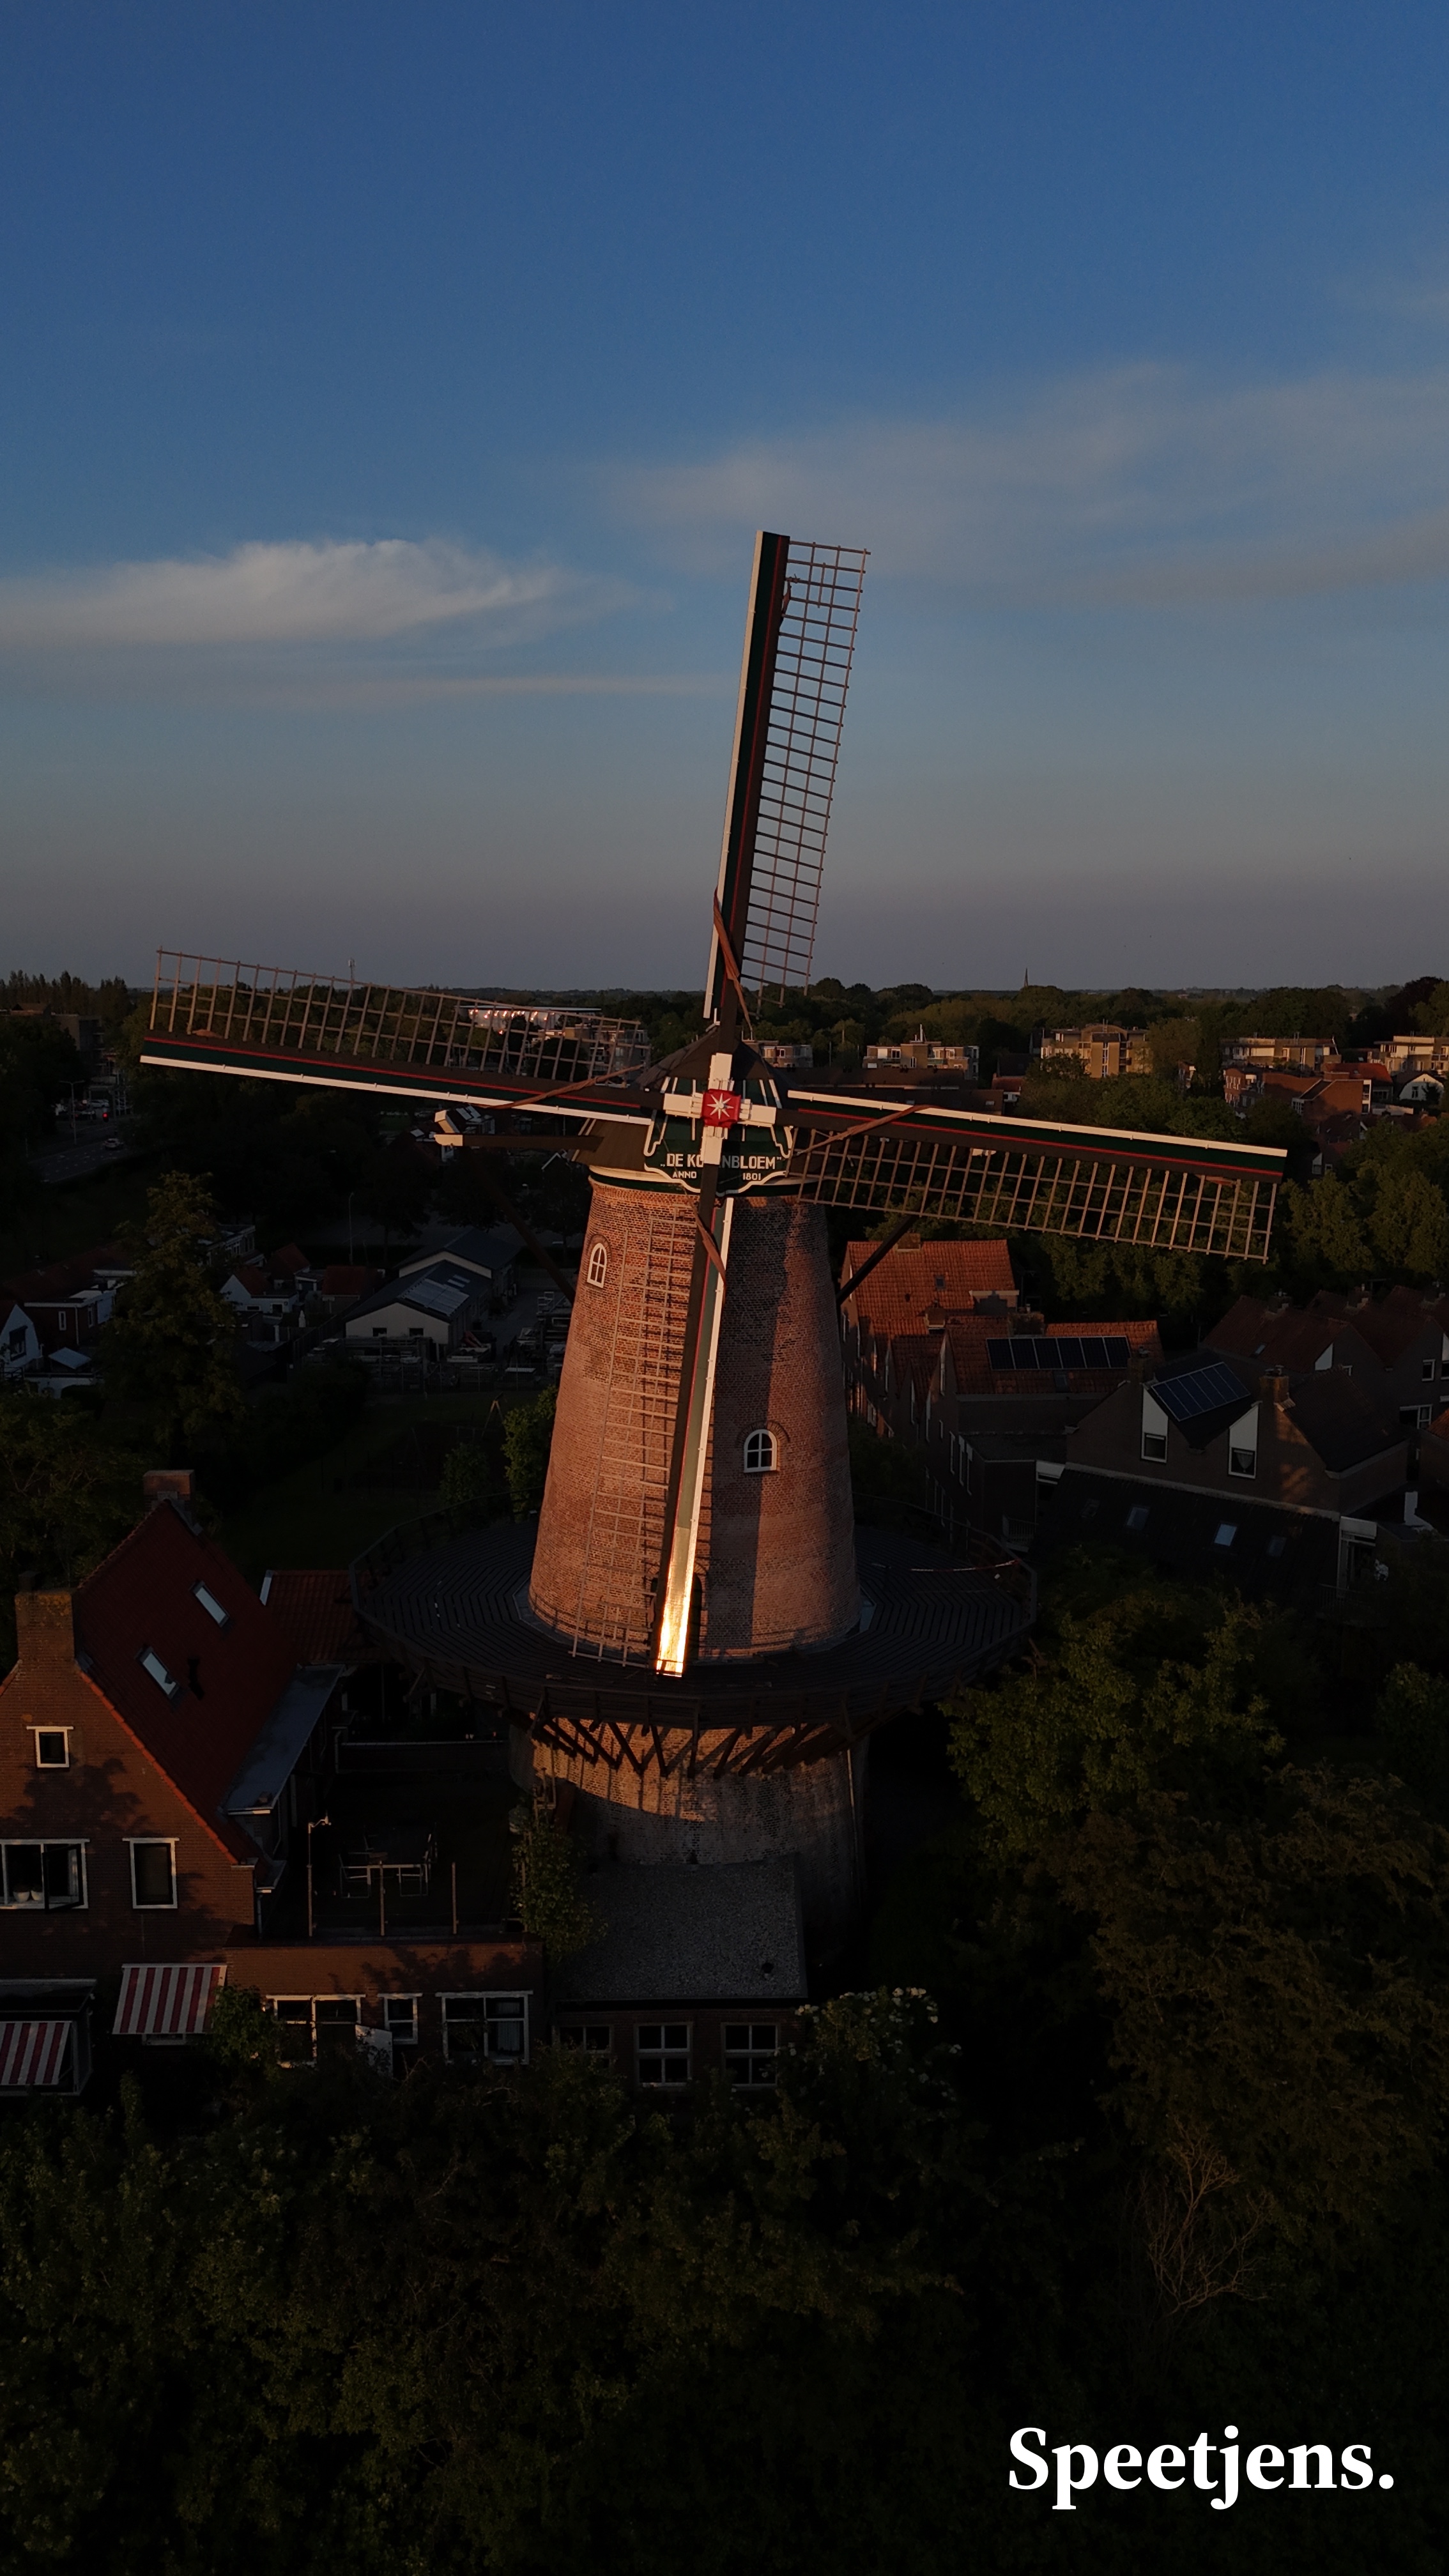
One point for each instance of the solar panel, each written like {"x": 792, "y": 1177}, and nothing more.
{"x": 1118, "y": 1349}
{"x": 998, "y": 1354}
{"x": 1067, "y": 1349}
{"x": 1198, "y": 1391}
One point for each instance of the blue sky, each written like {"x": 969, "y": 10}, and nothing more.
{"x": 390, "y": 392}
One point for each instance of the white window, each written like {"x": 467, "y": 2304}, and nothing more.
{"x": 312, "y": 2023}
{"x": 752, "y": 2051}
{"x": 1154, "y": 1428}
{"x": 150, "y": 1662}
{"x": 153, "y": 1873}
{"x": 760, "y": 1452}
{"x": 598, "y": 1265}
{"x": 52, "y": 1747}
{"x": 211, "y": 1605}
{"x": 50, "y": 1877}
{"x": 479, "y": 2026}
{"x": 594, "y": 2038}
{"x": 1242, "y": 1462}
{"x": 663, "y": 2051}
{"x": 1154, "y": 1445}
{"x": 400, "y": 2018}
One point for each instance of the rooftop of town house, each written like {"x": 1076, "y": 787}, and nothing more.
{"x": 1258, "y": 1548}
{"x": 954, "y": 1277}
{"x": 489, "y": 1248}
{"x": 433, "y": 1839}
{"x": 188, "y": 1657}
{"x": 715, "y": 1932}
{"x": 1021, "y": 1356}
{"x": 1293, "y": 1337}
{"x": 313, "y": 1608}
{"x": 1203, "y": 1392}
{"x": 348, "y": 1279}
{"x": 435, "y": 1288}
{"x": 54, "y": 1281}
{"x": 289, "y": 1260}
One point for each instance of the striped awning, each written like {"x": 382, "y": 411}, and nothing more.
{"x": 33, "y": 2052}
{"x": 167, "y": 2003}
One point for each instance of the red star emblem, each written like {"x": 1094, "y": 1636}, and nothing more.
{"x": 722, "y": 1108}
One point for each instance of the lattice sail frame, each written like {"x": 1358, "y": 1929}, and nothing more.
{"x": 286, "y": 1012}
{"x": 1100, "y": 1186}
{"x": 814, "y": 649}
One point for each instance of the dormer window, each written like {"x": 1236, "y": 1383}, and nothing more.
{"x": 211, "y": 1605}
{"x": 150, "y": 1662}
{"x": 761, "y": 1457}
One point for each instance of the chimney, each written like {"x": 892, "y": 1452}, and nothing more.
{"x": 1140, "y": 1368}
{"x": 1273, "y": 1384}
{"x": 160, "y": 1484}
{"x": 45, "y": 1631}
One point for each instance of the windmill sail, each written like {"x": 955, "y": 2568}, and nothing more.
{"x": 1097, "y": 1184}
{"x": 799, "y": 644}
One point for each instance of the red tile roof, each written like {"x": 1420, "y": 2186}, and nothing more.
{"x": 230, "y": 1678}
{"x": 290, "y": 1260}
{"x": 348, "y": 1279}
{"x": 970, "y": 1334}
{"x": 313, "y": 1608}
{"x": 60, "y": 1278}
{"x": 916, "y": 1276}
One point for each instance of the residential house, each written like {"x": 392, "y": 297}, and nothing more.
{"x": 1270, "y": 1460}
{"x": 789, "y": 1055}
{"x": 1101, "y": 1048}
{"x": 432, "y": 1306}
{"x": 166, "y": 1765}
{"x": 488, "y": 1253}
{"x": 267, "y": 1300}
{"x": 19, "y": 1341}
{"x": 67, "y": 1301}
{"x": 1292, "y": 1055}
{"x": 699, "y": 1969}
{"x": 921, "y": 1054}
{"x": 341, "y": 1283}
{"x": 1396, "y": 1348}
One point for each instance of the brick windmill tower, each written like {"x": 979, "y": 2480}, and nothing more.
{"x": 695, "y": 1635}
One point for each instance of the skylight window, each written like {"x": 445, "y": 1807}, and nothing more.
{"x": 1137, "y": 1517}
{"x": 211, "y": 1605}
{"x": 1227, "y": 1531}
{"x": 151, "y": 1663}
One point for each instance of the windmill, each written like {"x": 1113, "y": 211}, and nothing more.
{"x": 693, "y": 1603}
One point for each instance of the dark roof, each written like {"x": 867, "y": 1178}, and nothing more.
{"x": 435, "y": 1287}
{"x": 312, "y": 1606}
{"x": 724, "y": 1932}
{"x": 1342, "y": 1423}
{"x": 1275, "y": 1553}
{"x": 483, "y": 1247}
{"x": 143, "y": 1599}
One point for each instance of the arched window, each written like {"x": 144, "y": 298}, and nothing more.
{"x": 760, "y": 1459}
{"x": 598, "y": 1265}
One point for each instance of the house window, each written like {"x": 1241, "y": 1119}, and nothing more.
{"x": 1154, "y": 1445}
{"x": 663, "y": 2051}
{"x": 1412, "y": 1417}
{"x": 1242, "y": 1462}
{"x": 211, "y": 1605}
{"x": 1428, "y": 1368}
{"x": 1225, "y": 1533}
{"x": 400, "y": 2018}
{"x": 311, "y": 2023}
{"x": 52, "y": 1748}
{"x": 751, "y": 2051}
{"x": 594, "y": 2037}
{"x": 46, "y": 1876}
{"x": 759, "y": 1453}
{"x": 480, "y": 2026}
{"x": 153, "y": 1873}
{"x": 1137, "y": 1519}
{"x": 598, "y": 1265}
{"x": 150, "y": 1662}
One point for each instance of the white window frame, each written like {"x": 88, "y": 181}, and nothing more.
{"x": 403, "y": 2033}
{"x": 766, "y": 1449}
{"x": 34, "y": 1726}
{"x": 1154, "y": 1430}
{"x": 160, "y": 1673}
{"x": 645, "y": 2048}
{"x": 486, "y": 1996}
{"x": 311, "y": 2002}
{"x": 76, "y": 1843}
{"x": 153, "y": 1842}
{"x": 1237, "y": 1451}
{"x": 598, "y": 1270}
{"x": 211, "y": 1605}
{"x": 755, "y": 2055}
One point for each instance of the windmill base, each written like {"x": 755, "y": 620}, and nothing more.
{"x": 812, "y": 1815}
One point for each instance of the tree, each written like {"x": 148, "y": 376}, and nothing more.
{"x": 527, "y": 1439}
{"x": 547, "y": 1896}
{"x": 395, "y": 1188}
{"x": 66, "y": 1496}
{"x": 474, "y": 1481}
{"x": 170, "y": 1343}
{"x": 1106, "y": 1715}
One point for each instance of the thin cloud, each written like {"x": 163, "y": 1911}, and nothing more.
{"x": 1143, "y": 483}
{"x": 289, "y": 593}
